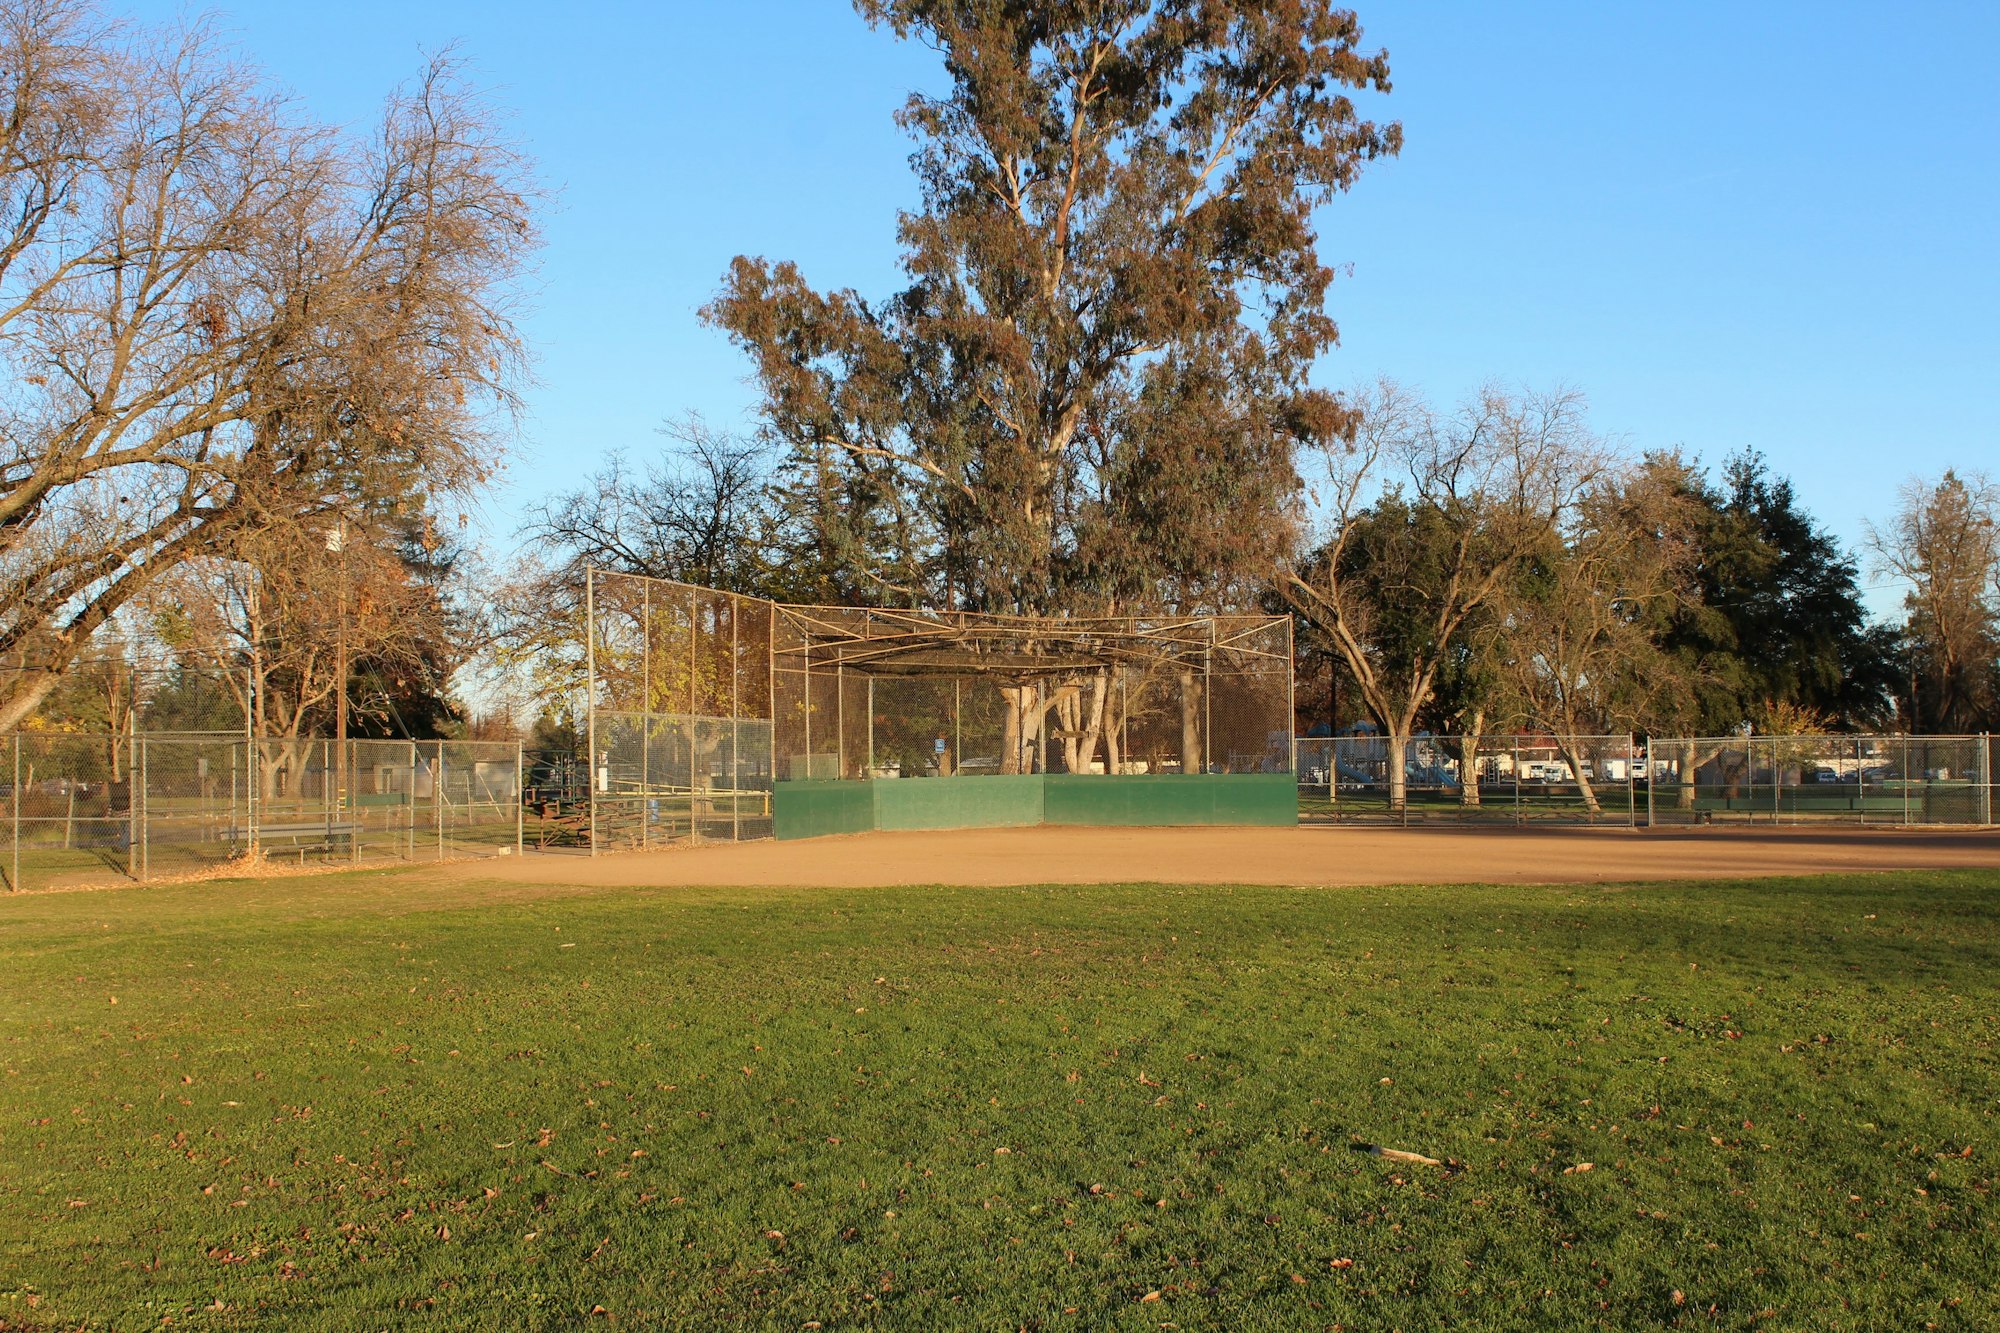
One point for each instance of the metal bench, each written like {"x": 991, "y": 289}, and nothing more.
{"x": 320, "y": 836}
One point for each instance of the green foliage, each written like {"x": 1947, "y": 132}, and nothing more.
{"x": 1944, "y": 544}
{"x": 1776, "y": 617}
{"x": 387, "y": 1101}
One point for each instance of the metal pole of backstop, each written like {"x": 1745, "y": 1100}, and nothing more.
{"x": 771, "y": 707}
{"x": 589, "y": 700}
{"x": 646, "y": 712}
{"x": 437, "y": 802}
{"x": 1292, "y": 706}
{"x": 520, "y": 791}
{"x": 693, "y": 727}
{"x": 735, "y": 723}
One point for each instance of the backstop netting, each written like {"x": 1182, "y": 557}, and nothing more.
{"x": 707, "y": 708}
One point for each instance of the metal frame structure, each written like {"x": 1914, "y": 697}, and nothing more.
{"x": 812, "y": 693}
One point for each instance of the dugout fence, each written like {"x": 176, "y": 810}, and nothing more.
{"x": 84, "y": 809}
{"x": 1823, "y": 779}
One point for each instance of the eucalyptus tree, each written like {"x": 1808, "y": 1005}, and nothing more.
{"x": 1086, "y": 396}
{"x": 1944, "y": 544}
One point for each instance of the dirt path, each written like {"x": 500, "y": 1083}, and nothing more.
{"x": 1313, "y": 855}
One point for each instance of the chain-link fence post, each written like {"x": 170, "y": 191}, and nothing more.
{"x": 1777, "y": 786}
{"x": 1652, "y": 778}
{"x": 1517, "y": 779}
{"x": 1985, "y": 768}
{"x": 253, "y": 812}
{"x": 131, "y": 804}
{"x": 438, "y": 798}
{"x": 1631, "y": 790}
{"x": 14, "y": 884}
{"x": 1904, "y": 769}
{"x": 1860, "y": 785}
{"x": 520, "y": 785}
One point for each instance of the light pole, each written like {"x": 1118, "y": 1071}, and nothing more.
{"x": 336, "y": 542}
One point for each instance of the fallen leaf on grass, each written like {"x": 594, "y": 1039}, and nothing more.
{"x": 1396, "y": 1155}
{"x": 1341, "y": 1264}
{"x": 1579, "y": 1168}
{"x": 1149, "y": 1297}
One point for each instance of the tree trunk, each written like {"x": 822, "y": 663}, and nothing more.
{"x": 1069, "y": 713}
{"x": 1093, "y": 729}
{"x": 23, "y": 695}
{"x": 1583, "y": 784}
{"x": 1685, "y": 797}
{"x": 1398, "y": 740}
{"x": 1115, "y": 702}
{"x": 1191, "y": 758}
{"x": 1468, "y": 759}
{"x": 1010, "y": 736}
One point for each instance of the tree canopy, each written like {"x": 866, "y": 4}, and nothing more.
{"x": 1087, "y": 394}
{"x": 219, "y": 315}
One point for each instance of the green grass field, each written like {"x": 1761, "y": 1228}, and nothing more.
{"x": 403, "y": 1100}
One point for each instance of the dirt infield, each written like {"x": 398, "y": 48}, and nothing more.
{"x": 1300, "y": 856}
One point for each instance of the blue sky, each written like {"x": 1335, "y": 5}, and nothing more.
{"x": 1769, "y": 225}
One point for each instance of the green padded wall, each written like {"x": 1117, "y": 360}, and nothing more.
{"x": 994, "y": 801}
{"x": 815, "y": 808}
{"x": 1169, "y": 798}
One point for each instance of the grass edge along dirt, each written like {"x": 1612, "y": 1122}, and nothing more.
{"x": 405, "y": 1100}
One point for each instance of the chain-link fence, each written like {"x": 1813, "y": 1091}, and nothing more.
{"x": 1822, "y": 779}
{"x": 85, "y": 809}
{"x": 680, "y": 714}
{"x": 1470, "y": 779}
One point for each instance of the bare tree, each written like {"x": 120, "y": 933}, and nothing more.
{"x": 220, "y": 316}
{"x": 1579, "y": 621}
{"x": 1426, "y": 517}
{"x": 1944, "y": 542}
{"x": 702, "y": 514}
{"x": 278, "y": 618}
